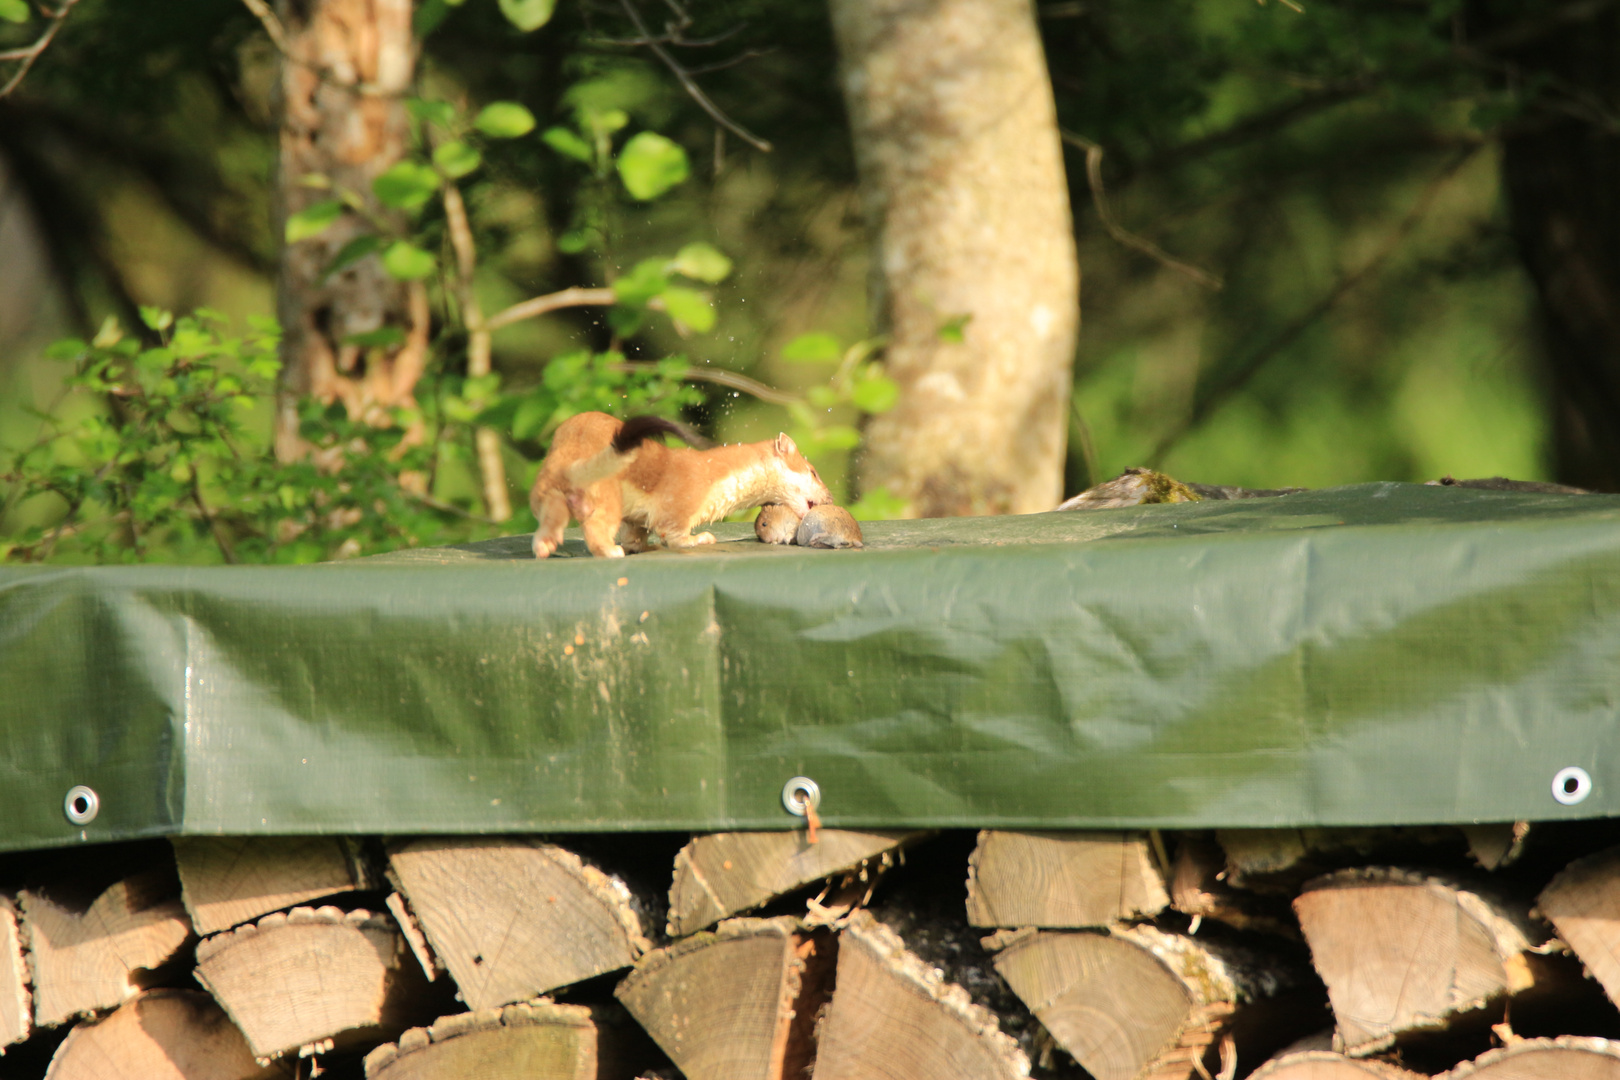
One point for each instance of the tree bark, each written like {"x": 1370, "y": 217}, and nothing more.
{"x": 967, "y": 210}
{"x": 348, "y": 68}
{"x": 1561, "y": 175}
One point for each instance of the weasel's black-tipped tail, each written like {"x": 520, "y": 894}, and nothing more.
{"x": 638, "y": 429}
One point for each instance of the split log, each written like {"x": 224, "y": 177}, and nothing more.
{"x": 1567, "y": 1058}
{"x": 894, "y": 1016}
{"x": 539, "y": 1041}
{"x": 1404, "y": 952}
{"x": 512, "y": 918}
{"x": 159, "y": 1035}
{"x": 229, "y": 880}
{"x": 311, "y": 979}
{"x": 723, "y": 873}
{"x": 1281, "y": 860}
{"x": 1054, "y": 879}
{"x": 16, "y": 1003}
{"x": 1135, "y": 1002}
{"x": 1583, "y": 904}
{"x": 1326, "y": 1065}
{"x": 94, "y": 957}
{"x": 1494, "y": 845}
{"x": 738, "y": 1002}
{"x": 1197, "y": 889}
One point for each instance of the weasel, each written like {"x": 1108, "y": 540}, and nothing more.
{"x": 606, "y": 474}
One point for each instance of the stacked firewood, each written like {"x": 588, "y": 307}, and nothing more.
{"x": 1485, "y": 953}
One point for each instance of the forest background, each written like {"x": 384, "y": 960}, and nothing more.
{"x": 1320, "y": 243}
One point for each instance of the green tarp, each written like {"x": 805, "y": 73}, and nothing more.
{"x": 1383, "y": 653}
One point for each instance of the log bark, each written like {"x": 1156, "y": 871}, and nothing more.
{"x": 540, "y": 1041}
{"x": 16, "y": 1003}
{"x": 1326, "y": 1065}
{"x": 1053, "y": 879}
{"x": 1496, "y": 844}
{"x": 1567, "y": 1058}
{"x": 311, "y": 979}
{"x": 348, "y": 70}
{"x": 85, "y": 959}
{"x": 1583, "y": 904}
{"x": 159, "y": 1035}
{"x": 1403, "y": 952}
{"x": 229, "y": 880}
{"x": 894, "y": 1016}
{"x": 1139, "y": 1002}
{"x": 512, "y": 918}
{"x": 974, "y": 274}
{"x": 737, "y": 1002}
{"x": 721, "y": 874}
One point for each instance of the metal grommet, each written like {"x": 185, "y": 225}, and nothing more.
{"x": 1571, "y": 785}
{"x": 81, "y": 805}
{"x": 799, "y": 793}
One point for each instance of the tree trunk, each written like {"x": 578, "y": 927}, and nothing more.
{"x": 967, "y": 210}
{"x": 1561, "y": 175}
{"x": 349, "y": 67}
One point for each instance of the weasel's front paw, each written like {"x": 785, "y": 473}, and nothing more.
{"x": 703, "y": 538}
{"x": 614, "y": 552}
{"x": 543, "y": 548}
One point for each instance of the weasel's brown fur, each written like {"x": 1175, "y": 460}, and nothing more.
{"x": 606, "y": 474}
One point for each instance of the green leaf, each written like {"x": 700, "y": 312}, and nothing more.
{"x": 527, "y": 15}
{"x": 641, "y": 284}
{"x": 191, "y": 342}
{"x": 690, "y": 307}
{"x": 313, "y": 219}
{"x": 438, "y": 113}
{"x": 407, "y": 261}
{"x": 384, "y": 337}
{"x": 429, "y": 16}
{"x": 504, "y": 120}
{"x": 567, "y": 144}
{"x": 839, "y": 437}
{"x": 626, "y": 321}
{"x": 702, "y": 262}
{"x": 877, "y": 394}
{"x": 456, "y": 159}
{"x": 573, "y": 241}
{"x": 606, "y": 121}
{"x": 879, "y": 504}
{"x": 407, "y": 185}
{"x": 815, "y": 348}
{"x": 650, "y": 165}
{"x": 951, "y": 330}
{"x": 15, "y": 11}
{"x": 823, "y": 397}
{"x": 66, "y": 349}
{"x": 349, "y": 254}
{"x": 156, "y": 318}
{"x": 532, "y": 415}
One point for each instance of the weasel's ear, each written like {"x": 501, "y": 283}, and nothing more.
{"x": 784, "y": 445}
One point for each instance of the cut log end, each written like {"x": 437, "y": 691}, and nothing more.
{"x": 1326, "y": 1065}
{"x": 1062, "y": 879}
{"x": 721, "y": 874}
{"x": 517, "y": 1042}
{"x": 159, "y": 1035}
{"x": 311, "y": 977}
{"x": 892, "y": 1015}
{"x": 511, "y": 919}
{"x": 1403, "y": 952}
{"x": 736, "y": 1001}
{"x": 229, "y": 880}
{"x": 85, "y": 960}
{"x": 16, "y": 1002}
{"x": 1566, "y": 1058}
{"x": 1583, "y": 904}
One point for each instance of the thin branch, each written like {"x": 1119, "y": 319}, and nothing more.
{"x": 214, "y": 527}
{"x": 721, "y": 378}
{"x": 740, "y": 58}
{"x": 1285, "y": 337}
{"x": 272, "y": 25}
{"x": 1099, "y": 199}
{"x": 540, "y": 305}
{"x": 685, "y": 79}
{"x": 26, "y": 55}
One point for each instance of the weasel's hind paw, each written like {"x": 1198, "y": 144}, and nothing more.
{"x": 543, "y": 548}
